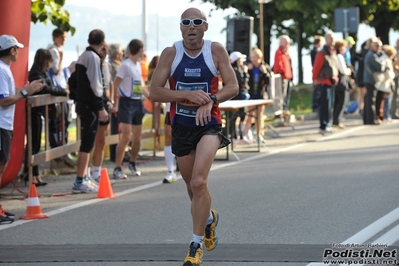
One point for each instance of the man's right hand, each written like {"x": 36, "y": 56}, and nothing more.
{"x": 34, "y": 86}
{"x": 199, "y": 97}
{"x": 103, "y": 115}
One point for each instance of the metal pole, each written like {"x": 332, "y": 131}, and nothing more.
{"x": 145, "y": 24}
{"x": 346, "y": 24}
{"x": 261, "y": 43}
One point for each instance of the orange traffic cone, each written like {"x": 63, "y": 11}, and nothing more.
{"x": 33, "y": 210}
{"x": 105, "y": 189}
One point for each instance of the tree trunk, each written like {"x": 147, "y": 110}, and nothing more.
{"x": 299, "y": 40}
{"x": 382, "y": 31}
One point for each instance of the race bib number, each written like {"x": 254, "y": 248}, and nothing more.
{"x": 137, "y": 89}
{"x": 187, "y": 108}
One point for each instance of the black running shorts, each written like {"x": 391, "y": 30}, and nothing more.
{"x": 130, "y": 111}
{"x": 185, "y": 139}
{"x": 88, "y": 127}
{"x": 5, "y": 144}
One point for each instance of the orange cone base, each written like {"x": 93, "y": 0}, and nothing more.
{"x": 33, "y": 213}
{"x": 105, "y": 188}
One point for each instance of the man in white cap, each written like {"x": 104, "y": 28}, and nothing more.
{"x": 8, "y": 97}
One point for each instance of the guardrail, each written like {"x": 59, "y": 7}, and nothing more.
{"x": 64, "y": 149}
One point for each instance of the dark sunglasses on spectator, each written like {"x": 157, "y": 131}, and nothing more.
{"x": 196, "y": 22}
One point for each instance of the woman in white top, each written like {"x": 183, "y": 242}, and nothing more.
{"x": 385, "y": 92}
{"x": 343, "y": 83}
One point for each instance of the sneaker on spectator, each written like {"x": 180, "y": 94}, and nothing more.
{"x": 134, "y": 170}
{"x": 92, "y": 182}
{"x": 85, "y": 187}
{"x": 97, "y": 181}
{"x": 169, "y": 178}
{"x": 194, "y": 255}
{"x": 327, "y": 130}
{"x": 339, "y": 125}
{"x": 119, "y": 174}
{"x": 4, "y": 219}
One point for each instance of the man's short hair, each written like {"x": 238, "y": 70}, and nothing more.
{"x": 134, "y": 46}
{"x": 58, "y": 32}
{"x": 96, "y": 37}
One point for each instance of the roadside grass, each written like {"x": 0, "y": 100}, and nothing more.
{"x": 301, "y": 99}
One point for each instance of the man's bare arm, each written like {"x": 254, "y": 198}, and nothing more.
{"x": 222, "y": 61}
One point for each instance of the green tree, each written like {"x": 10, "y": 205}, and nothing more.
{"x": 382, "y": 15}
{"x": 301, "y": 20}
{"x": 51, "y": 10}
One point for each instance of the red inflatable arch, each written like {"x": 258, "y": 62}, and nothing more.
{"x": 15, "y": 19}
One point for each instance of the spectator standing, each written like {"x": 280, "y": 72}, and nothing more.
{"x": 115, "y": 60}
{"x": 359, "y": 74}
{"x": 128, "y": 98}
{"x": 9, "y": 96}
{"x": 191, "y": 66}
{"x": 282, "y": 66}
{"x": 317, "y": 45}
{"x": 237, "y": 60}
{"x": 39, "y": 71}
{"x": 59, "y": 79}
{"x": 343, "y": 83}
{"x": 372, "y": 64}
{"x": 144, "y": 67}
{"x": 385, "y": 89}
{"x": 395, "y": 98}
{"x": 259, "y": 78}
{"x": 103, "y": 126}
{"x": 325, "y": 77}
{"x": 348, "y": 50}
{"x": 90, "y": 106}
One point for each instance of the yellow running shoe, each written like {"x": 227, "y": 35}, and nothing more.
{"x": 194, "y": 255}
{"x": 211, "y": 237}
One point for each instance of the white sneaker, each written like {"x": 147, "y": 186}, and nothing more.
{"x": 134, "y": 170}
{"x": 327, "y": 130}
{"x": 169, "y": 178}
{"x": 97, "y": 181}
{"x": 92, "y": 182}
{"x": 261, "y": 139}
{"x": 85, "y": 187}
{"x": 118, "y": 174}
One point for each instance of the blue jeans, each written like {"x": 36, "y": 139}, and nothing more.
{"x": 325, "y": 102}
{"x": 315, "y": 99}
{"x": 387, "y": 107}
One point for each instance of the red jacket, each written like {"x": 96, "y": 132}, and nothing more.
{"x": 282, "y": 64}
{"x": 318, "y": 65}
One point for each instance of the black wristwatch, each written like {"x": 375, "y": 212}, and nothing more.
{"x": 214, "y": 98}
{"x": 24, "y": 93}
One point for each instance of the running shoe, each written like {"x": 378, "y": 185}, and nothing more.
{"x": 85, "y": 187}
{"x": 119, "y": 174}
{"x": 194, "y": 255}
{"x": 169, "y": 178}
{"x": 211, "y": 237}
{"x": 134, "y": 170}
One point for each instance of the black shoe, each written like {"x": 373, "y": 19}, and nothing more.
{"x": 6, "y": 213}
{"x": 39, "y": 184}
{"x": 5, "y": 219}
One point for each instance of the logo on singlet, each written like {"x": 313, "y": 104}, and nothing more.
{"x": 192, "y": 72}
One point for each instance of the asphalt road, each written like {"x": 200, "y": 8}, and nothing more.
{"x": 283, "y": 206}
